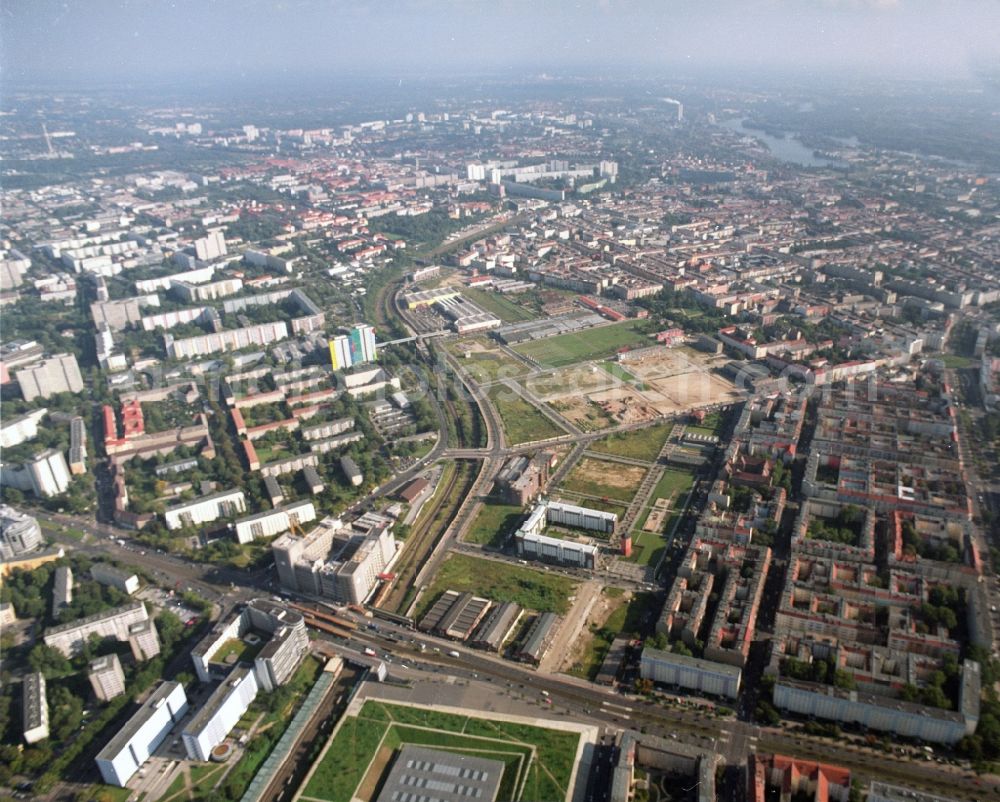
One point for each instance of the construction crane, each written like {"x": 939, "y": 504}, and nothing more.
{"x": 294, "y": 528}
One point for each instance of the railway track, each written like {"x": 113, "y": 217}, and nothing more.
{"x": 424, "y": 537}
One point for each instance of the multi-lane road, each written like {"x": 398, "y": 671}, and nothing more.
{"x": 694, "y": 724}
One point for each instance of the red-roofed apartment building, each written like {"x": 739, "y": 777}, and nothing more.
{"x": 794, "y": 778}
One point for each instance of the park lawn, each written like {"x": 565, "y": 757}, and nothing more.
{"x": 416, "y": 716}
{"x": 648, "y": 547}
{"x": 536, "y": 590}
{"x": 644, "y": 444}
{"x": 521, "y": 421}
{"x": 204, "y": 777}
{"x": 599, "y": 342}
{"x": 708, "y": 427}
{"x": 113, "y": 793}
{"x": 500, "y": 305}
{"x": 673, "y": 484}
{"x": 493, "y": 523}
{"x": 956, "y": 362}
{"x": 555, "y": 754}
{"x": 176, "y": 791}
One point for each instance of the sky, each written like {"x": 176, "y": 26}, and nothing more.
{"x": 77, "y": 41}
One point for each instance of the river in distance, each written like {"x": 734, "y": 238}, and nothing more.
{"x": 788, "y": 148}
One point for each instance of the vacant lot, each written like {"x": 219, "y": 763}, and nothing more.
{"x": 596, "y": 343}
{"x": 485, "y": 362}
{"x": 617, "y": 613}
{"x": 692, "y": 390}
{"x": 571, "y": 382}
{"x": 500, "y": 581}
{"x": 493, "y": 523}
{"x": 644, "y": 444}
{"x": 521, "y": 421}
{"x": 582, "y": 413}
{"x": 594, "y": 477}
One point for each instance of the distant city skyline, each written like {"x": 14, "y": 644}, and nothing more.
{"x": 133, "y": 41}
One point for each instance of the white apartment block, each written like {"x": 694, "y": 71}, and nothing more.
{"x": 58, "y": 374}
{"x": 19, "y": 430}
{"x": 205, "y": 509}
{"x": 143, "y": 640}
{"x": 46, "y": 474}
{"x": 106, "y": 677}
{"x": 69, "y": 638}
{"x": 125, "y": 581}
{"x": 274, "y": 522}
{"x": 228, "y": 340}
{"x": 691, "y": 673}
{"x": 34, "y": 708}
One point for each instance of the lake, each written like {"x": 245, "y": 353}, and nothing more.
{"x": 788, "y": 149}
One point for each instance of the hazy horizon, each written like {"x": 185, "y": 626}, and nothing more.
{"x": 135, "y": 41}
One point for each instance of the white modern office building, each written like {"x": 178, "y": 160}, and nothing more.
{"x": 142, "y": 734}
{"x": 19, "y": 533}
{"x": 226, "y": 706}
{"x": 281, "y": 655}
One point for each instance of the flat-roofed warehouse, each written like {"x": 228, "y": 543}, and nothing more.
{"x": 497, "y": 626}
{"x": 433, "y": 617}
{"x": 420, "y": 774}
{"x": 463, "y": 617}
{"x": 538, "y": 639}
{"x": 455, "y": 615}
{"x": 612, "y": 663}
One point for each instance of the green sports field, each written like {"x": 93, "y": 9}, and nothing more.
{"x": 596, "y": 343}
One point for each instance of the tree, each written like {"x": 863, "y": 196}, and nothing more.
{"x": 50, "y": 662}
{"x": 170, "y": 628}
{"x": 65, "y": 712}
